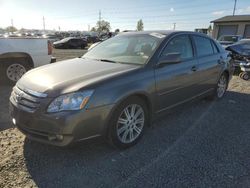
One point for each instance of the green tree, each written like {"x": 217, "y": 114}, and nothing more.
{"x": 11, "y": 29}
{"x": 209, "y": 29}
{"x": 117, "y": 30}
{"x": 140, "y": 26}
{"x": 103, "y": 26}
{"x": 93, "y": 29}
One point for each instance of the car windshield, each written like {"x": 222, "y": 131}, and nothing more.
{"x": 229, "y": 38}
{"x": 65, "y": 39}
{"x": 134, "y": 49}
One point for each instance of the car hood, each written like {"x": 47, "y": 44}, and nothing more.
{"x": 225, "y": 43}
{"x": 71, "y": 75}
{"x": 239, "y": 49}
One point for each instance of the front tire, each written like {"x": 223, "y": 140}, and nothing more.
{"x": 14, "y": 70}
{"x": 128, "y": 123}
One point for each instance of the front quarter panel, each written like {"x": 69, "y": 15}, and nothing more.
{"x": 118, "y": 89}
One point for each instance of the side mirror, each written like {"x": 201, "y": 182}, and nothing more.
{"x": 171, "y": 58}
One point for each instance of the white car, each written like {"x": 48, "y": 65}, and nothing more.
{"x": 18, "y": 55}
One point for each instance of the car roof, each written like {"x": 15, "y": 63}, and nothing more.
{"x": 162, "y": 32}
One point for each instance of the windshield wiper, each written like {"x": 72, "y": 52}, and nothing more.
{"x": 107, "y": 60}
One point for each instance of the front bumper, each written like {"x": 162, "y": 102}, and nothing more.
{"x": 62, "y": 128}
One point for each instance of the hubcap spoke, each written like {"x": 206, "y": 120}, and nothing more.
{"x": 139, "y": 121}
{"x": 121, "y": 130}
{"x": 124, "y": 136}
{"x": 122, "y": 121}
{"x": 137, "y": 129}
{"x": 127, "y": 113}
{"x": 133, "y": 108}
{"x": 138, "y": 113}
{"x": 131, "y": 135}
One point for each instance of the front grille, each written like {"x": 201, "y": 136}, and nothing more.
{"x": 27, "y": 100}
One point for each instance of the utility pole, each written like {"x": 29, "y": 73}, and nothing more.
{"x": 174, "y": 25}
{"x": 43, "y": 24}
{"x": 235, "y": 2}
{"x": 100, "y": 17}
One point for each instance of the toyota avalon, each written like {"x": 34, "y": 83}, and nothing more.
{"x": 118, "y": 87}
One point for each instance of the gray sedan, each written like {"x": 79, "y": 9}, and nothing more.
{"x": 119, "y": 87}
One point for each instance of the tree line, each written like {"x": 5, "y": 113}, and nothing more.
{"x": 104, "y": 26}
{"x": 101, "y": 26}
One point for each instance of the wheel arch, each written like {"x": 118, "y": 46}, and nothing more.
{"x": 226, "y": 72}
{"x": 10, "y": 56}
{"x": 141, "y": 95}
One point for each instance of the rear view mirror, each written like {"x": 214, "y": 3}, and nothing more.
{"x": 170, "y": 58}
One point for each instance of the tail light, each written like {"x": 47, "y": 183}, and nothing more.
{"x": 49, "y": 48}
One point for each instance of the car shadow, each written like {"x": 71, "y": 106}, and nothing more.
{"x": 5, "y": 91}
{"x": 95, "y": 164}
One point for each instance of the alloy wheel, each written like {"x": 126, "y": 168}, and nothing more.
{"x": 130, "y": 123}
{"x": 222, "y": 86}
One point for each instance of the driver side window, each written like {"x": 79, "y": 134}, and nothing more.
{"x": 179, "y": 44}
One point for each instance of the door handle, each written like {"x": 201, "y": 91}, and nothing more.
{"x": 194, "y": 68}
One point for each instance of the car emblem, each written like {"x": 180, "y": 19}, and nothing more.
{"x": 19, "y": 97}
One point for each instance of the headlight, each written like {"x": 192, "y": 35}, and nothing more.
{"x": 72, "y": 101}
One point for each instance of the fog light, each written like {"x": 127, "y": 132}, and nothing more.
{"x": 59, "y": 137}
{"x": 14, "y": 121}
{"x": 51, "y": 137}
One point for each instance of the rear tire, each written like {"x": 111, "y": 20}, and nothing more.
{"x": 128, "y": 123}
{"x": 221, "y": 87}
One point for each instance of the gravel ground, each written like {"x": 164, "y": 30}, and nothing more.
{"x": 202, "y": 144}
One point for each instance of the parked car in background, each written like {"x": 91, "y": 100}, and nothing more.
{"x": 18, "y": 55}
{"x": 51, "y": 37}
{"x": 92, "y": 39}
{"x": 70, "y": 43}
{"x": 240, "y": 53}
{"x": 226, "y": 40}
{"x": 118, "y": 87}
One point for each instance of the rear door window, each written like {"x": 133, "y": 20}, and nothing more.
{"x": 215, "y": 48}
{"x": 203, "y": 46}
